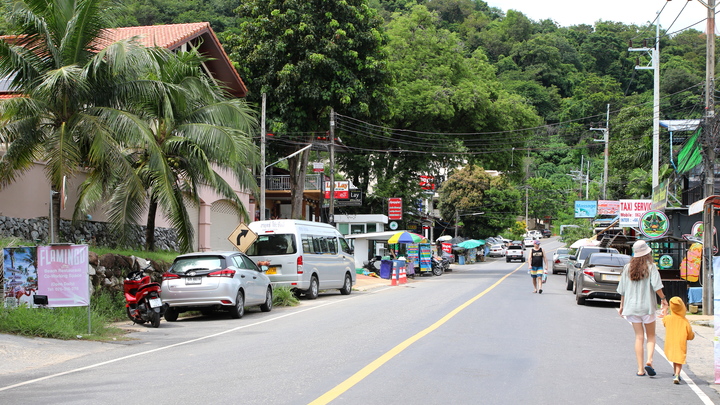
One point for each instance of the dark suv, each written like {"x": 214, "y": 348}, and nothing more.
{"x": 546, "y": 233}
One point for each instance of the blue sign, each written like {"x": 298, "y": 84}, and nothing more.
{"x": 586, "y": 209}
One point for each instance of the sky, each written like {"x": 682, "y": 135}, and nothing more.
{"x": 640, "y": 12}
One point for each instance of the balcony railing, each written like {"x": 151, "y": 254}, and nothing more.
{"x": 282, "y": 182}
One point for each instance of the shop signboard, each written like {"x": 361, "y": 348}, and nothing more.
{"x": 395, "y": 209}
{"x": 586, "y": 209}
{"x": 631, "y": 211}
{"x": 654, "y": 224}
{"x": 63, "y": 274}
{"x": 342, "y": 190}
{"x": 608, "y": 207}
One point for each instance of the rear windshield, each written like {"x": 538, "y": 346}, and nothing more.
{"x": 513, "y": 247}
{"x": 271, "y": 245}
{"x": 608, "y": 260}
{"x": 584, "y": 253}
{"x": 184, "y": 264}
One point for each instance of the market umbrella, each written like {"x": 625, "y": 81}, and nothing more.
{"x": 584, "y": 242}
{"x": 471, "y": 243}
{"x": 406, "y": 237}
{"x": 444, "y": 238}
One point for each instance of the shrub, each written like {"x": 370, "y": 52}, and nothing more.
{"x": 284, "y": 296}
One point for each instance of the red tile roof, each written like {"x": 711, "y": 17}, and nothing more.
{"x": 174, "y": 36}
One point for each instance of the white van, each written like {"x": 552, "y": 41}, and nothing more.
{"x": 306, "y": 256}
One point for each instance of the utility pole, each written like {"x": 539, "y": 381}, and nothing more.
{"x": 331, "y": 210}
{"x": 262, "y": 160}
{"x": 709, "y": 160}
{"x": 606, "y": 139}
{"x": 655, "y": 66}
{"x": 527, "y": 187}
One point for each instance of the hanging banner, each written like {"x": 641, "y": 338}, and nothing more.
{"x": 395, "y": 209}
{"x": 659, "y": 196}
{"x": 318, "y": 167}
{"x": 63, "y": 275}
{"x": 631, "y": 211}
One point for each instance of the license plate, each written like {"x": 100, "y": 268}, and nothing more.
{"x": 611, "y": 277}
{"x": 193, "y": 280}
{"x": 155, "y": 302}
{"x": 271, "y": 270}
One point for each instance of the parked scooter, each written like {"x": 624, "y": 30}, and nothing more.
{"x": 142, "y": 297}
{"x": 440, "y": 265}
{"x": 373, "y": 265}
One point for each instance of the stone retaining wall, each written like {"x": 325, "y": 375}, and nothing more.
{"x": 89, "y": 232}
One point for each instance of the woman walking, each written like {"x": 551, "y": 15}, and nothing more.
{"x": 639, "y": 283}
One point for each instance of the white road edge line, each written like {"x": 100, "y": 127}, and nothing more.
{"x": 703, "y": 396}
{"x": 96, "y": 365}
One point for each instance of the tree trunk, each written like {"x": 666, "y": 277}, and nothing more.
{"x": 150, "y": 229}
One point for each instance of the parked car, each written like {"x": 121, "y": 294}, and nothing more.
{"x": 576, "y": 261}
{"x": 560, "y": 251}
{"x": 560, "y": 263}
{"x": 497, "y": 250}
{"x": 506, "y": 241}
{"x": 528, "y": 242}
{"x": 210, "y": 281}
{"x": 515, "y": 252}
{"x": 546, "y": 233}
{"x": 599, "y": 277}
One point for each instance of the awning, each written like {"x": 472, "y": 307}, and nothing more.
{"x": 698, "y": 206}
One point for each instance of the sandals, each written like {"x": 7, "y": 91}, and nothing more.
{"x": 650, "y": 371}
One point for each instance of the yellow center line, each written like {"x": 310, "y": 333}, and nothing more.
{"x": 377, "y": 363}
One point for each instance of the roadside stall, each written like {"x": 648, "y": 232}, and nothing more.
{"x": 407, "y": 245}
{"x": 471, "y": 250}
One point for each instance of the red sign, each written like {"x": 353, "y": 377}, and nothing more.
{"x": 395, "y": 211}
{"x": 427, "y": 183}
{"x": 342, "y": 190}
{"x": 447, "y": 247}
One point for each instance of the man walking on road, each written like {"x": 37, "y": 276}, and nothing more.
{"x": 537, "y": 264}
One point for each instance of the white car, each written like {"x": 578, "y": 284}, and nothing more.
{"x": 528, "y": 242}
{"x": 497, "y": 250}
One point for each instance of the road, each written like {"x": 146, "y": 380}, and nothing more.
{"x": 477, "y": 335}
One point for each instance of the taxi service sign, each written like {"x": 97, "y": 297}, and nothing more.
{"x": 242, "y": 237}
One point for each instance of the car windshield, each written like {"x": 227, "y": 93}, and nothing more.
{"x": 275, "y": 244}
{"x": 584, "y": 253}
{"x": 608, "y": 260}
{"x": 185, "y": 264}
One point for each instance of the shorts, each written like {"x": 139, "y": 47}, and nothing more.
{"x": 536, "y": 271}
{"x": 640, "y": 318}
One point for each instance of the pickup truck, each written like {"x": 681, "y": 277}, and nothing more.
{"x": 515, "y": 252}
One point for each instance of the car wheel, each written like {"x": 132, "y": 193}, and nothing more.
{"x": 347, "y": 285}
{"x": 580, "y": 299}
{"x": 237, "y": 311}
{"x": 569, "y": 283}
{"x": 171, "y": 314}
{"x": 155, "y": 319}
{"x": 507, "y": 259}
{"x": 312, "y": 291}
{"x": 268, "y": 304}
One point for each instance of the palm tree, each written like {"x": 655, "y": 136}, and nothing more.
{"x": 198, "y": 133}
{"x": 65, "y": 114}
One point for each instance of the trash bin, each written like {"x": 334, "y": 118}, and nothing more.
{"x": 386, "y": 268}
{"x": 461, "y": 259}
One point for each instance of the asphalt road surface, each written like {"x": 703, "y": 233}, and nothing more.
{"x": 477, "y": 335}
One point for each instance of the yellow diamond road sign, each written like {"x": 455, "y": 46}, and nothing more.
{"x": 242, "y": 237}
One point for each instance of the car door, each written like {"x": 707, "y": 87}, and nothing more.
{"x": 249, "y": 280}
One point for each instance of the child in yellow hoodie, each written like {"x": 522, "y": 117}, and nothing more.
{"x": 677, "y": 332}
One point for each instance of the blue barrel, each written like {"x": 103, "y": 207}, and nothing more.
{"x": 385, "y": 268}
{"x": 461, "y": 259}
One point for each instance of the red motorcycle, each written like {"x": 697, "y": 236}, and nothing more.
{"x": 142, "y": 297}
